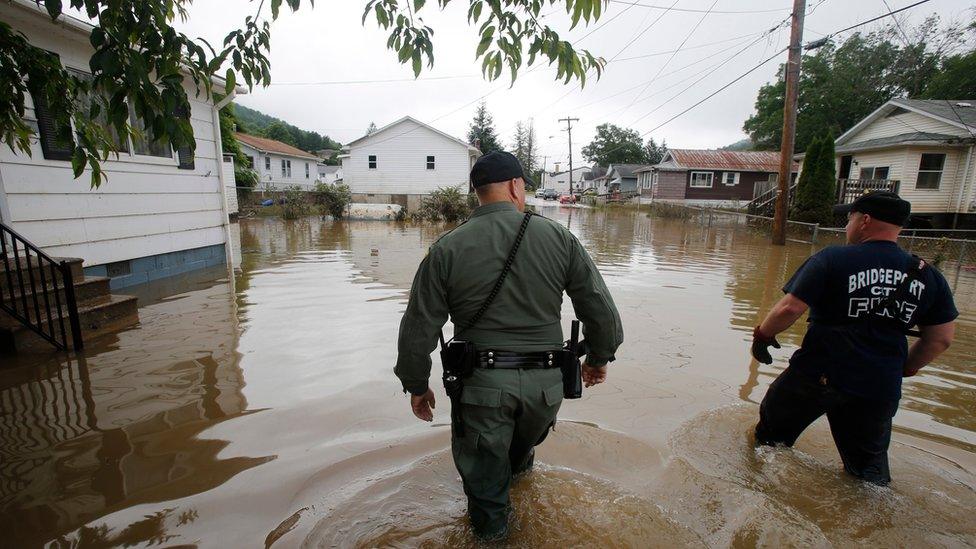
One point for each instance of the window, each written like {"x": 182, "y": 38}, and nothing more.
{"x": 251, "y": 162}
{"x": 284, "y": 171}
{"x": 144, "y": 141}
{"x": 372, "y": 161}
{"x": 85, "y": 102}
{"x": 288, "y": 163}
{"x": 701, "y": 180}
{"x": 430, "y": 162}
{"x": 874, "y": 173}
{"x": 930, "y": 171}
{"x": 267, "y": 163}
{"x": 306, "y": 170}
{"x": 730, "y": 178}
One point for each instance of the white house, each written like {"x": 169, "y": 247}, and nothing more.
{"x": 329, "y": 174}
{"x": 925, "y": 148}
{"x": 159, "y": 212}
{"x": 279, "y": 164}
{"x": 403, "y": 161}
{"x": 560, "y": 180}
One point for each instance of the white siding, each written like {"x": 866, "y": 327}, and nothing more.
{"x": 894, "y": 159}
{"x": 146, "y": 205}
{"x": 560, "y": 181}
{"x": 230, "y": 182}
{"x": 933, "y": 201}
{"x": 401, "y": 154}
{"x": 273, "y": 176}
{"x": 906, "y": 122}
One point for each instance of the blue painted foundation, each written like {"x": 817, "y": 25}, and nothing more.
{"x": 155, "y": 267}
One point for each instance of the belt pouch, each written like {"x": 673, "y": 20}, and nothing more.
{"x": 572, "y": 375}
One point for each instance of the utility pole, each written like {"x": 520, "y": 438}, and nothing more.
{"x": 569, "y": 128}
{"x": 789, "y": 123}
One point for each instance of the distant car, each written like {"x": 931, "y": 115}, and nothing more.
{"x": 567, "y": 199}
{"x": 540, "y": 193}
{"x": 550, "y": 194}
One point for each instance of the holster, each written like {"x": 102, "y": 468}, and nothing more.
{"x": 570, "y": 365}
{"x": 457, "y": 359}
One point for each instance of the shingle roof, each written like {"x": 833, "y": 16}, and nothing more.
{"x": 741, "y": 161}
{"x": 265, "y": 144}
{"x": 913, "y": 137}
{"x": 955, "y": 110}
{"x": 626, "y": 170}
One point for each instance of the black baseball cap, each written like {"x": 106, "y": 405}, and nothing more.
{"x": 882, "y": 205}
{"x": 495, "y": 167}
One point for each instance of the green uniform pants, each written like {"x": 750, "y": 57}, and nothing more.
{"x": 506, "y": 413}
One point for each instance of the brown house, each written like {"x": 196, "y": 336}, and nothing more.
{"x": 709, "y": 177}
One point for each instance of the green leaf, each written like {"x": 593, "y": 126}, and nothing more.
{"x": 477, "y": 11}
{"x": 416, "y": 63}
{"x": 418, "y": 4}
{"x": 275, "y": 6}
{"x": 53, "y": 8}
{"x": 483, "y": 45}
{"x": 231, "y": 81}
{"x": 78, "y": 161}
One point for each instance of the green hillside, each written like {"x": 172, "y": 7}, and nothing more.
{"x": 254, "y": 122}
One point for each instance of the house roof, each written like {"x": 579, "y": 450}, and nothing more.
{"x": 626, "y": 170}
{"x": 738, "y": 161}
{"x": 267, "y": 145}
{"x": 328, "y": 169}
{"x": 84, "y": 28}
{"x": 471, "y": 148}
{"x": 584, "y": 168}
{"x": 960, "y": 113}
{"x": 901, "y": 139}
{"x": 595, "y": 173}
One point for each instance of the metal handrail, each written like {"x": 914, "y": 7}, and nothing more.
{"x": 36, "y": 295}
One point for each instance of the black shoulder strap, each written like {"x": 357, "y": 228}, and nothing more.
{"x": 498, "y": 283}
{"x": 890, "y": 302}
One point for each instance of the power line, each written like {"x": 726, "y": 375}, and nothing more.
{"x": 692, "y": 10}
{"x": 890, "y": 13}
{"x": 666, "y": 63}
{"x": 689, "y": 48}
{"x": 904, "y": 35}
{"x": 375, "y": 81}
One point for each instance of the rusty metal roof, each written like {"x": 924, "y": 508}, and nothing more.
{"x": 740, "y": 161}
{"x": 265, "y": 144}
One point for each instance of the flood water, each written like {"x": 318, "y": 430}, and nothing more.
{"x": 259, "y": 408}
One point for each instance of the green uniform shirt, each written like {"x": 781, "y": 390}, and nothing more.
{"x": 460, "y": 270}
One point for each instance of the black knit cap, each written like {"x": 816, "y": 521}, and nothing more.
{"x": 882, "y": 205}
{"x": 495, "y": 167}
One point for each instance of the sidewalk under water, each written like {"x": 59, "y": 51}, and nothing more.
{"x": 260, "y": 408}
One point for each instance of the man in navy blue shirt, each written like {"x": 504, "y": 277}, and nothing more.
{"x": 863, "y": 299}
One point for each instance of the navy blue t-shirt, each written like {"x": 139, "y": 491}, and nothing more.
{"x": 842, "y": 284}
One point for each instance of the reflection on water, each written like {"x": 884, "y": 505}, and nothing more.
{"x": 262, "y": 407}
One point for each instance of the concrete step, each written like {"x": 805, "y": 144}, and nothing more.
{"x": 87, "y": 287}
{"x": 98, "y": 316}
{"x": 31, "y": 268}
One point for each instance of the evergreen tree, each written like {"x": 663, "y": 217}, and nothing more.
{"x": 655, "y": 153}
{"x": 529, "y": 164}
{"x": 482, "y": 133}
{"x": 815, "y": 189}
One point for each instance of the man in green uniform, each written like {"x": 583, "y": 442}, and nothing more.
{"x": 510, "y": 400}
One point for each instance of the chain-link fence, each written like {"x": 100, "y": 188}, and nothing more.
{"x": 937, "y": 246}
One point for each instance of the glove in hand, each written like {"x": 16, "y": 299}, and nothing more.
{"x": 760, "y": 346}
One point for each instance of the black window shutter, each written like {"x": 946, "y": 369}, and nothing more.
{"x": 56, "y": 141}
{"x": 185, "y": 153}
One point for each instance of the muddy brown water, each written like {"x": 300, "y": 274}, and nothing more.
{"x": 260, "y": 409}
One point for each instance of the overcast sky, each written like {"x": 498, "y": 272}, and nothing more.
{"x": 315, "y": 47}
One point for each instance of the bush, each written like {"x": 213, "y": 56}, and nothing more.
{"x": 245, "y": 179}
{"x": 447, "y": 204}
{"x": 296, "y": 203}
{"x": 815, "y": 189}
{"x": 333, "y": 198}
{"x": 668, "y": 210}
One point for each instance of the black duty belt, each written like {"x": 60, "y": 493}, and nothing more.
{"x": 513, "y": 361}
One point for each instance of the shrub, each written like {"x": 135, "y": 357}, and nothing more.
{"x": 446, "y": 203}
{"x": 667, "y": 210}
{"x": 333, "y": 198}
{"x": 245, "y": 179}
{"x": 296, "y": 203}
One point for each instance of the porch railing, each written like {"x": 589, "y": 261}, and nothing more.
{"x": 849, "y": 189}
{"x": 38, "y": 291}
{"x": 765, "y": 202}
